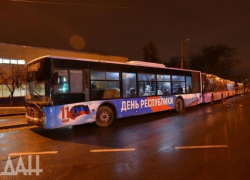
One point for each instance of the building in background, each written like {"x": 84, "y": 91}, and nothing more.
{"x": 21, "y": 55}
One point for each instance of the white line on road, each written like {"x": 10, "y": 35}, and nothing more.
{"x": 17, "y": 128}
{"x": 112, "y": 150}
{"x": 12, "y": 107}
{"x": 33, "y": 153}
{"x": 201, "y": 147}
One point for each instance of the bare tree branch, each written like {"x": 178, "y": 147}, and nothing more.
{"x": 13, "y": 76}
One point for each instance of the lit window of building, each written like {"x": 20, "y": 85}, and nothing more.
{"x": 21, "y": 61}
{"x": 6, "y": 61}
{"x": 13, "y": 61}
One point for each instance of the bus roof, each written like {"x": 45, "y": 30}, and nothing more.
{"x": 132, "y": 63}
{"x": 216, "y": 76}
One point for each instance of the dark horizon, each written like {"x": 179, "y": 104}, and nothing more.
{"x": 122, "y": 29}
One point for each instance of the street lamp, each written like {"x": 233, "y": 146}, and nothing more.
{"x": 182, "y": 52}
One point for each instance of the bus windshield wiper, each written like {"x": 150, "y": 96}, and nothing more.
{"x": 39, "y": 96}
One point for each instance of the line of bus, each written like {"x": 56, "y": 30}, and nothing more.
{"x": 64, "y": 91}
{"x": 239, "y": 88}
{"x": 215, "y": 88}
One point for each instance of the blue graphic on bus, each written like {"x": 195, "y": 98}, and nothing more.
{"x": 79, "y": 110}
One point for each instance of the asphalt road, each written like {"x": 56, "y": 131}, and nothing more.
{"x": 205, "y": 142}
{"x": 12, "y": 121}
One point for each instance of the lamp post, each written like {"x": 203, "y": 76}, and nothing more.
{"x": 182, "y": 52}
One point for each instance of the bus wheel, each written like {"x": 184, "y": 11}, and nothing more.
{"x": 212, "y": 99}
{"x": 104, "y": 117}
{"x": 179, "y": 105}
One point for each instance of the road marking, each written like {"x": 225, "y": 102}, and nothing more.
{"x": 12, "y": 107}
{"x": 112, "y": 150}
{"x": 17, "y": 128}
{"x": 201, "y": 147}
{"x": 33, "y": 153}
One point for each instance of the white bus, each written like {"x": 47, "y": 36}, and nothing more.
{"x": 64, "y": 91}
{"x": 213, "y": 88}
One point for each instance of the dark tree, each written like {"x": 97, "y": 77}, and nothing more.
{"x": 150, "y": 53}
{"x": 241, "y": 74}
{"x": 13, "y": 76}
{"x": 219, "y": 60}
{"x": 175, "y": 62}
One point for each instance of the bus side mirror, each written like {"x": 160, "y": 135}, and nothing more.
{"x": 55, "y": 78}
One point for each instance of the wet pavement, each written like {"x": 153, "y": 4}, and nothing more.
{"x": 11, "y": 117}
{"x": 12, "y": 121}
{"x": 19, "y": 110}
{"x": 204, "y": 142}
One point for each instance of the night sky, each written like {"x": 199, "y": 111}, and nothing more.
{"x": 123, "y": 27}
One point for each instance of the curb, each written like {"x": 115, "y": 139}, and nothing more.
{"x": 13, "y": 126}
{"x": 15, "y": 114}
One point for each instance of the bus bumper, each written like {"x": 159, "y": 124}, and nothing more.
{"x": 35, "y": 121}
{"x": 39, "y": 117}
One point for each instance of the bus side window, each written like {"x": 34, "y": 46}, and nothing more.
{"x": 189, "y": 84}
{"x": 177, "y": 88}
{"x": 147, "y": 84}
{"x": 178, "y": 84}
{"x": 75, "y": 81}
{"x": 129, "y": 84}
{"x": 105, "y": 85}
{"x": 164, "y": 88}
{"x": 62, "y": 85}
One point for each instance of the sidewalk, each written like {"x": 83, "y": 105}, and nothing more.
{"x": 12, "y": 111}
{"x": 10, "y": 117}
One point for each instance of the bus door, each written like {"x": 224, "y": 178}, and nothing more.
{"x": 86, "y": 88}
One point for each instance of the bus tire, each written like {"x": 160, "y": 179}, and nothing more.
{"x": 179, "y": 105}
{"x": 212, "y": 99}
{"x": 104, "y": 116}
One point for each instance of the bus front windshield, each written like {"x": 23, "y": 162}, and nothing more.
{"x": 36, "y": 89}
